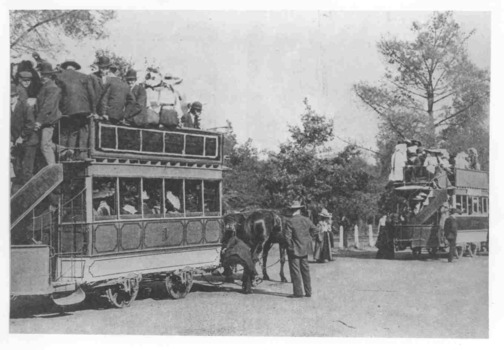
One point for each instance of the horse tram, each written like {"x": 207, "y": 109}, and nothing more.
{"x": 145, "y": 205}
{"x": 423, "y": 202}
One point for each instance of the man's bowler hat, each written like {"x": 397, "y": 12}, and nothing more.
{"x": 131, "y": 74}
{"x": 103, "y": 62}
{"x": 70, "y": 62}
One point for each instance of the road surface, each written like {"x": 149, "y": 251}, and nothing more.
{"x": 354, "y": 296}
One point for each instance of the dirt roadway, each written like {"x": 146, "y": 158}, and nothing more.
{"x": 354, "y": 296}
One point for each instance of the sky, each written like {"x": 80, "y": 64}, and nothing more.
{"x": 254, "y": 68}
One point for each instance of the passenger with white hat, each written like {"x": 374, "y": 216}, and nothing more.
{"x": 322, "y": 251}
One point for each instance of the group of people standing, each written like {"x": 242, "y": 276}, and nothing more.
{"x": 411, "y": 162}
{"x": 43, "y": 97}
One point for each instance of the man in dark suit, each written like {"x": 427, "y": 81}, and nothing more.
{"x": 192, "y": 118}
{"x": 48, "y": 112}
{"x": 23, "y": 136}
{"x": 98, "y": 80}
{"x": 116, "y": 99}
{"x": 77, "y": 104}
{"x": 450, "y": 231}
{"x": 299, "y": 234}
{"x": 138, "y": 108}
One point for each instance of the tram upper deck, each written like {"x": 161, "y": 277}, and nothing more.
{"x": 142, "y": 144}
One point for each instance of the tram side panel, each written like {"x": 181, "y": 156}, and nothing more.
{"x": 30, "y": 270}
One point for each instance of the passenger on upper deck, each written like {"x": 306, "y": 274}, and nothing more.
{"x": 116, "y": 99}
{"x": 136, "y": 112}
{"x": 34, "y": 87}
{"x": 192, "y": 118}
{"x": 473, "y": 159}
{"x": 99, "y": 79}
{"x": 77, "y": 104}
{"x": 462, "y": 160}
{"x": 23, "y": 136}
{"x": 398, "y": 162}
{"x": 163, "y": 98}
{"x": 48, "y": 112}
{"x": 24, "y": 83}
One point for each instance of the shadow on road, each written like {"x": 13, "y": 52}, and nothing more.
{"x": 233, "y": 288}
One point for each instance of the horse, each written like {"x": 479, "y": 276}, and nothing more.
{"x": 259, "y": 229}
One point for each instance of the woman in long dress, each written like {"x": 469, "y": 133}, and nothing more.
{"x": 322, "y": 249}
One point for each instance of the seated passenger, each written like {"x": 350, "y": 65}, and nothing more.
{"x": 104, "y": 209}
{"x": 473, "y": 159}
{"x": 462, "y": 160}
{"x": 101, "y": 199}
{"x": 172, "y": 203}
{"x": 192, "y": 118}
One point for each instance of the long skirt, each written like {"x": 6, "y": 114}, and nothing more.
{"x": 322, "y": 249}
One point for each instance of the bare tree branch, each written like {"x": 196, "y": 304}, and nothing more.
{"x": 35, "y": 26}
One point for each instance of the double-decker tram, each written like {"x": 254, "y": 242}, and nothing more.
{"x": 424, "y": 202}
{"x": 145, "y": 205}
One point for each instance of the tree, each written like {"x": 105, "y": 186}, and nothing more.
{"x": 241, "y": 181}
{"x": 32, "y": 30}
{"x": 295, "y": 172}
{"x": 429, "y": 84}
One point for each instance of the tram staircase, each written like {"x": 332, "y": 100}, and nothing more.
{"x": 440, "y": 196}
{"x": 34, "y": 191}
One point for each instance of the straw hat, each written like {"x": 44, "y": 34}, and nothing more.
{"x": 325, "y": 213}
{"x": 296, "y": 205}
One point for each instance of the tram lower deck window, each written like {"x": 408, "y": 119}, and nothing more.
{"x": 104, "y": 198}
{"x": 174, "y": 203}
{"x": 129, "y": 198}
{"x": 212, "y": 195}
{"x": 193, "y": 198}
{"x": 152, "y": 198}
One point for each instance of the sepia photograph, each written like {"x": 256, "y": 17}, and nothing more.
{"x": 256, "y": 173}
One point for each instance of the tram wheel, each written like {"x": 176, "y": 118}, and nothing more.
{"x": 178, "y": 286}
{"x": 123, "y": 294}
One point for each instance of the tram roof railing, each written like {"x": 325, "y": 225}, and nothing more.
{"x": 185, "y": 145}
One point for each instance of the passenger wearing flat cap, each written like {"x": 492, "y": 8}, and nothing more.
{"x": 48, "y": 112}
{"x": 23, "y": 136}
{"x": 77, "y": 104}
{"x": 322, "y": 251}
{"x": 299, "y": 234}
